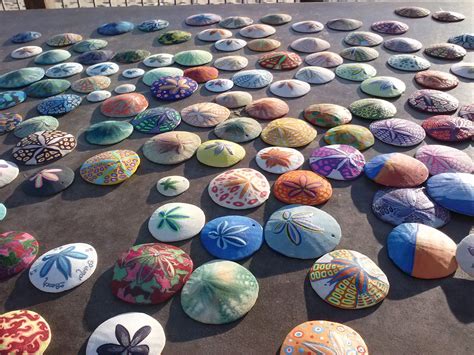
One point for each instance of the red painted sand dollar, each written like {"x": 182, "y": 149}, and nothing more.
{"x": 125, "y": 105}
{"x": 288, "y": 132}
{"x": 205, "y": 114}
{"x": 239, "y": 189}
{"x": 201, "y": 74}
{"x": 302, "y": 187}
{"x": 17, "y": 252}
{"x": 267, "y": 108}
{"x": 280, "y": 60}
{"x": 448, "y": 128}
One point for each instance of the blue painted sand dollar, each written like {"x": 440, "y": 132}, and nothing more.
{"x": 398, "y": 132}
{"x": 155, "y": 74}
{"x": 64, "y": 70}
{"x": 232, "y": 237}
{"x": 26, "y": 36}
{"x": 47, "y": 87}
{"x": 373, "y": 109}
{"x": 402, "y": 44}
{"x": 202, "y": 19}
{"x": 94, "y": 57}
{"x": 359, "y": 54}
{"x": 193, "y": 57}
{"x": 344, "y": 24}
{"x": 219, "y": 292}
{"x": 219, "y": 85}
{"x": 238, "y": 129}
{"x": 106, "y": 68}
{"x": 98, "y": 95}
{"x": 290, "y": 88}
{"x": 53, "y": 56}
{"x": 21, "y": 77}
{"x": 9, "y": 121}
{"x": 133, "y": 73}
{"x": 220, "y": 153}
{"x": 252, "y": 79}
{"x": 172, "y": 88}
{"x": 307, "y": 26}
{"x": 361, "y": 38}
{"x": 234, "y": 22}
{"x": 231, "y": 63}
{"x": 153, "y": 25}
{"x": 159, "y": 60}
{"x": 302, "y": 232}
{"x": 35, "y": 124}
{"x": 356, "y": 71}
{"x": 383, "y": 86}
{"x": 464, "y": 254}
{"x": 465, "y": 40}
{"x": 115, "y": 28}
{"x": 108, "y": 132}
{"x": 230, "y": 44}
{"x": 408, "y": 62}
{"x": 26, "y": 52}
{"x": 454, "y": 191}
{"x": 157, "y": 120}
{"x": 59, "y": 104}
{"x": 176, "y": 221}
{"x": 10, "y": 99}
{"x": 324, "y": 59}
{"x": 172, "y": 185}
{"x": 91, "y": 44}
{"x": 315, "y": 75}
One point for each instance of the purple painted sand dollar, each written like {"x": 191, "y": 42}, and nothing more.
{"x": 337, "y": 161}
{"x": 443, "y": 159}
{"x": 398, "y": 132}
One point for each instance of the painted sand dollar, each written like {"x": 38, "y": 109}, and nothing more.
{"x": 21, "y": 77}
{"x": 124, "y": 105}
{"x": 257, "y": 31}
{"x": 348, "y": 279}
{"x": 90, "y": 44}
{"x": 302, "y": 187}
{"x": 433, "y": 101}
{"x": 36, "y": 124}
{"x": 234, "y": 99}
{"x": 53, "y": 56}
{"x": 390, "y": 27}
{"x": 233, "y": 22}
{"x": 44, "y": 146}
{"x": 324, "y": 59}
{"x": 422, "y": 251}
{"x": 201, "y": 74}
{"x": 238, "y": 129}
{"x": 361, "y": 38}
{"x": 108, "y": 132}
{"x": 17, "y": 252}
{"x": 448, "y": 128}
{"x": 9, "y": 121}
{"x": 172, "y": 185}
{"x": 398, "y": 132}
{"x": 267, "y": 108}
{"x": 408, "y": 62}
{"x": 105, "y": 68}
{"x": 26, "y": 52}
{"x": 26, "y": 36}
{"x": 3, "y": 211}
{"x": 445, "y": 51}
{"x": 153, "y": 25}
{"x": 467, "y": 112}
{"x": 94, "y": 57}
{"x": 288, "y": 132}
{"x": 98, "y": 95}
{"x": 448, "y": 16}
{"x": 10, "y": 99}
{"x": 344, "y": 24}
{"x": 8, "y": 172}
{"x": 125, "y": 88}
{"x": 156, "y": 74}
{"x": 310, "y": 45}
{"x": 150, "y": 273}
{"x": 443, "y": 159}
{"x": 92, "y": 83}
{"x": 111, "y": 167}
{"x": 437, "y": 80}
{"x": 239, "y": 189}
{"x": 402, "y": 44}
{"x": 465, "y": 255}
{"x": 219, "y": 85}
{"x": 290, "y": 88}
{"x": 263, "y": 44}
{"x": 194, "y": 57}
{"x": 280, "y": 60}
{"x": 134, "y": 332}
{"x": 383, "y": 86}
{"x": 156, "y": 120}
{"x": 24, "y": 332}
{"x": 231, "y": 63}
{"x": 171, "y": 147}
{"x": 307, "y": 26}
{"x": 176, "y": 221}
{"x": 204, "y": 114}
{"x": 202, "y": 19}
{"x": 227, "y": 44}
{"x": 373, "y": 109}
{"x": 131, "y": 56}
{"x": 337, "y": 161}
{"x": 327, "y": 115}
{"x": 315, "y": 75}
{"x": 279, "y": 160}
{"x": 354, "y": 135}
{"x": 252, "y": 79}
{"x": 219, "y": 292}
{"x": 49, "y": 181}
{"x": 465, "y": 40}
{"x": 64, "y": 70}
{"x": 408, "y": 205}
{"x": 64, "y": 39}
{"x": 115, "y": 28}
{"x": 276, "y": 19}
{"x": 232, "y": 237}
{"x": 47, "y": 87}
{"x": 133, "y": 73}
{"x": 464, "y": 70}
{"x": 412, "y": 11}
{"x": 174, "y": 37}
{"x": 454, "y": 191}
{"x": 359, "y": 54}
{"x": 220, "y": 153}
{"x": 172, "y": 88}
{"x": 63, "y": 268}
{"x": 356, "y": 71}
{"x": 323, "y": 337}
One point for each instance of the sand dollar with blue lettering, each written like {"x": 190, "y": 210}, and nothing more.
{"x": 454, "y": 191}
{"x": 315, "y": 75}
{"x": 408, "y": 62}
{"x": 465, "y": 254}
{"x": 398, "y": 132}
{"x": 153, "y": 25}
{"x": 238, "y": 129}
{"x": 21, "y": 77}
{"x": 356, "y": 71}
{"x": 64, "y": 267}
{"x": 26, "y": 52}
{"x": 172, "y": 88}
{"x": 106, "y": 68}
{"x": 59, "y": 104}
{"x": 64, "y": 70}
{"x": 302, "y": 232}
{"x": 383, "y": 86}
{"x": 337, "y": 161}
{"x": 108, "y": 132}
{"x": 344, "y": 24}
{"x": 172, "y": 185}
{"x": 443, "y": 159}
{"x": 115, "y": 28}
{"x": 49, "y": 181}
{"x": 157, "y": 120}
{"x": 9, "y": 121}
{"x": 90, "y": 44}
{"x": 361, "y": 38}
{"x": 359, "y": 54}
{"x": 402, "y": 44}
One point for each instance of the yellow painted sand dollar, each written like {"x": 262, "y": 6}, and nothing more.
{"x": 288, "y": 132}
{"x": 220, "y": 153}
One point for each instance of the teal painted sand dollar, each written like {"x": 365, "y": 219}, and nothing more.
{"x": 53, "y": 56}
{"x": 105, "y": 68}
{"x": 219, "y": 292}
{"x": 3, "y": 211}
{"x": 36, "y": 124}
{"x": 21, "y": 77}
{"x": 108, "y": 132}
{"x": 155, "y": 74}
{"x": 356, "y": 71}
{"x": 408, "y": 62}
{"x": 383, "y": 86}
{"x": 9, "y": 121}
{"x": 362, "y": 38}
{"x": 26, "y": 52}
{"x": 172, "y": 185}
{"x": 98, "y": 95}
{"x": 47, "y": 87}
{"x": 64, "y": 70}
{"x": 193, "y": 57}
{"x": 315, "y": 75}
{"x": 373, "y": 109}
{"x": 87, "y": 45}
{"x": 239, "y": 129}
{"x": 157, "y": 120}
{"x": 252, "y": 79}
{"x": 359, "y": 54}
{"x": 220, "y": 153}
{"x": 11, "y": 98}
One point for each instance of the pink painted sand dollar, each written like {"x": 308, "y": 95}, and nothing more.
{"x": 288, "y": 132}
{"x": 205, "y": 114}
{"x": 279, "y": 160}
{"x": 239, "y": 189}
{"x": 125, "y": 105}
{"x": 17, "y": 251}
{"x": 267, "y": 108}
{"x": 443, "y": 159}
{"x": 337, "y": 161}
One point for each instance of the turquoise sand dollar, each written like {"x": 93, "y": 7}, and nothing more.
{"x": 21, "y": 77}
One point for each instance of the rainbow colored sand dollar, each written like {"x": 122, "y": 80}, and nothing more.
{"x": 357, "y": 136}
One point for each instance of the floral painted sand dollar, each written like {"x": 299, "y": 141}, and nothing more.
{"x": 64, "y": 70}
{"x": 159, "y": 60}
{"x": 276, "y": 19}
{"x": 445, "y": 51}
{"x": 239, "y": 189}
{"x": 433, "y": 101}
{"x": 327, "y": 115}
{"x": 92, "y": 83}
{"x": 124, "y": 105}
{"x": 307, "y": 26}
{"x": 150, "y": 273}
{"x": 98, "y": 95}
{"x": 201, "y": 74}
{"x": 94, "y": 57}
{"x": 238, "y": 129}
{"x": 64, "y": 39}
{"x": 176, "y": 221}
{"x": 49, "y": 181}
{"x": 44, "y": 146}
{"x": 24, "y": 332}
{"x": 454, "y": 191}
{"x": 408, "y": 205}
{"x": 257, "y": 31}
{"x": 193, "y": 57}
{"x": 361, "y": 38}
{"x": 464, "y": 70}
{"x": 53, "y": 56}
{"x": 302, "y": 187}
{"x": 465, "y": 40}
{"x": 9, "y": 121}
{"x": 231, "y": 63}
{"x": 288, "y": 132}
{"x": 396, "y": 170}
{"x": 133, "y": 73}
{"x": 373, "y": 109}
{"x": 263, "y": 44}
{"x": 464, "y": 256}
{"x": 233, "y": 22}
{"x": 115, "y": 28}
{"x": 47, "y": 87}
{"x": 290, "y": 88}
{"x": 230, "y": 44}
{"x": 220, "y": 153}
{"x": 26, "y": 52}
{"x": 125, "y": 88}
{"x": 157, "y": 120}
{"x": 398, "y": 132}
{"x": 174, "y": 37}
{"x": 24, "y": 37}
{"x": 21, "y": 77}
{"x": 219, "y": 292}
{"x": 323, "y": 336}
{"x": 467, "y": 112}
{"x": 279, "y": 160}
{"x": 348, "y": 279}
{"x": 267, "y": 108}
{"x": 402, "y": 44}
{"x": 156, "y": 74}
{"x": 315, "y": 75}
{"x": 437, "y": 80}
{"x": 205, "y": 114}
{"x": 280, "y": 60}
{"x": 12, "y": 98}
{"x": 172, "y": 185}
{"x": 131, "y": 332}
{"x": 17, "y": 252}
{"x": 63, "y": 268}
{"x": 408, "y": 62}
{"x": 153, "y": 25}
{"x": 443, "y": 159}
{"x": 105, "y": 68}
{"x": 108, "y": 132}
{"x": 302, "y": 232}
{"x": 35, "y": 124}
{"x": 354, "y": 135}
{"x": 359, "y": 54}
{"x": 422, "y": 251}
{"x": 172, "y": 88}
{"x": 448, "y": 16}
{"x": 171, "y": 147}
{"x": 219, "y": 85}
{"x": 252, "y": 79}
{"x": 390, "y": 27}
{"x": 214, "y": 34}
{"x": 203, "y": 19}
{"x": 449, "y": 128}
{"x": 8, "y": 172}
{"x": 110, "y": 167}
{"x": 344, "y": 24}
{"x": 412, "y": 11}
{"x": 356, "y": 71}
{"x": 234, "y": 99}
{"x": 324, "y": 59}
{"x": 310, "y": 45}
{"x": 91, "y": 44}
{"x": 383, "y": 86}
{"x": 337, "y": 161}
{"x": 232, "y": 237}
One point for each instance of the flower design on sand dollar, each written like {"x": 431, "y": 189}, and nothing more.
{"x": 291, "y": 224}
{"x": 276, "y": 157}
{"x": 244, "y": 182}
{"x": 169, "y": 184}
{"x": 61, "y": 259}
{"x": 302, "y": 187}
{"x": 127, "y": 346}
{"x": 170, "y": 219}
{"x": 220, "y": 147}
{"x": 46, "y": 174}
{"x": 228, "y": 235}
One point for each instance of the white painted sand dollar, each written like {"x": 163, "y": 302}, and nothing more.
{"x": 159, "y": 60}
{"x": 105, "y": 68}
{"x": 230, "y": 44}
{"x": 132, "y": 73}
{"x": 64, "y": 267}
{"x": 214, "y": 34}
{"x": 26, "y": 52}
{"x": 176, "y": 221}
{"x": 219, "y": 85}
{"x": 172, "y": 185}
{"x": 257, "y": 31}
{"x": 127, "y": 333}
{"x": 307, "y": 26}
{"x": 231, "y": 63}
{"x": 324, "y": 59}
{"x": 290, "y": 88}
{"x": 279, "y": 160}
{"x": 463, "y": 69}
{"x": 310, "y": 45}
{"x": 315, "y": 75}
{"x": 204, "y": 114}
{"x": 8, "y": 172}
{"x": 465, "y": 255}
{"x": 98, "y": 95}
{"x": 64, "y": 70}
{"x": 125, "y": 88}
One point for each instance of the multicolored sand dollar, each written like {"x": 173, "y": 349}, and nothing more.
{"x": 338, "y": 162}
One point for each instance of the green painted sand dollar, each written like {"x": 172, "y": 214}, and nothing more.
{"x": 344, "y": 24}
{"x": 383, "y": 86}
{"x": 193, "y": 57}
{"x": 354, "y": 135}
{"x": 239, "y": 129}
{"x": 373, "y": 109}
{"x": 87, "y": 45}
{"x": 155, "y": 74}
{"x": 327, "y": 115}
{"x": 276, "y": 19}
{"x": 131, "y": 56}
{"x": 359, "y": 54}
{"x": 172, "y": 185}
{"x": 21, "y": 77}
{"x": 35, "y": 124}
{"x": 234, "y": 99}
{"x": 171, "y": 147}
{"x": 174, "y": 37}
{"x": 47, "y": 87}
{"x": 220, "y": 153}
{"x": 53, "y": 56}
{"x": 219, "y": 292}
{"x": 108, "y": 132}
{"x": 408, "y": 62}
{"x": 356, "y": 71}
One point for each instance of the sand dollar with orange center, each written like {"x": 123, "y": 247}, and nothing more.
{"x": 302, "y": 187}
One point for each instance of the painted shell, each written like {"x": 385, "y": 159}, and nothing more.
{"x": 390, "y": 27}
{"x": 433, "y": 101}
{"x": 448, "y": 128}
{"x": 280, "y": 60}
{"x": 438, "y": 80}
{"x": 398, "y": 132}
{"x": 288, "y": 132}
{"x": 445, "y": 51}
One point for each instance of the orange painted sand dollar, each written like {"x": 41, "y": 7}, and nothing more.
{"x": 111, "y": 167}
{"x": 288, "y": 132}
{"x": 302, "y": 187}
{"x": 267, "y": 108}
{"x": 23, "y": 332}
{"x": 263, "y": 44}
{"x": 205, "y": 114}
{"x": 323, "y": 338}
{"x": 125, "y": 105}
